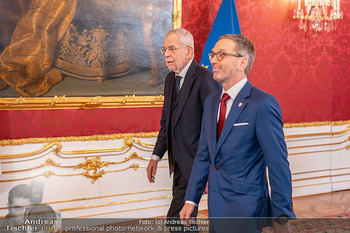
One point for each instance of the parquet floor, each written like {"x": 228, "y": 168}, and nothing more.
{"x": 320, "y": 205}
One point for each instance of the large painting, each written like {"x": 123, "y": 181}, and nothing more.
{"x": 83, "y": 48}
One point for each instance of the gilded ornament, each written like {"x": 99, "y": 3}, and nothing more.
{"x": 92, "y": 164}
{"x": 94, "y": 176}
{"x": 48, "y": 174}
{"x": 135, "y": 166}
{"x": 58, "y": 148}
{"x": 129, "y": 142}
{"x": 62, "y": 102}
{"x": 177, "y": 14}
{"x": 18, "y": 101}
{"x": 57, "y": 99}
{"x": 134, "y": 155}
{"x": 51, "y": 162}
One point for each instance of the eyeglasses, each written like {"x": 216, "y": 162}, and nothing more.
{"x": 171, "y": 49}
{"x": 221, "y": 55}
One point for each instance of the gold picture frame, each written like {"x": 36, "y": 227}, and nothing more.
{"x": 92, "y": 102}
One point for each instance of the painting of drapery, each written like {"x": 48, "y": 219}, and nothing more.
{"x": 82, "y": 47}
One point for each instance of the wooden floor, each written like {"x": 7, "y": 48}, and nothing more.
{"x": 322, "y": 205}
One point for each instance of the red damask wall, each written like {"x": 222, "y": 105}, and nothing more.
{"x": 310, "y": 76}
{"x": 77, "y": 122}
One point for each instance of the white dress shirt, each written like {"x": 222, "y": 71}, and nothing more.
{"x": 232, "y": 92}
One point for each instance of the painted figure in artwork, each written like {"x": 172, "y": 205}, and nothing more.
{"x": 90, "y": 40}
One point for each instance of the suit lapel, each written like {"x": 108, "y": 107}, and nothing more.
{"x": 170, "y": 95}
{"x": 212, "y": 123}
{"x": 239, "y": 104}
{"x": 185, "y": 90}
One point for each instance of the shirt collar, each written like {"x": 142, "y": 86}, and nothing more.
{"x": 234, "y": 90}
{"x": 184, "y": 70}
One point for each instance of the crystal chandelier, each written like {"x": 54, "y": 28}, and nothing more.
{"x": 318, "y": 15}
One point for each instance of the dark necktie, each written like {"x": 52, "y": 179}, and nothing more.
{"x": 178, "y": 80}
{"x": 177, "y": 85}
{"x": 222, "y": 114}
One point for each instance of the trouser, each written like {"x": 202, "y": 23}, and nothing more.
{"x": 178, "y": 201}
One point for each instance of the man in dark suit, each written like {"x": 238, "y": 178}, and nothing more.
{"x": 185, "y": 90}
{"x": 242, "y": 134}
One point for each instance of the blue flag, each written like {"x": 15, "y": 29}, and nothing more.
{"x": 226, "y": 22}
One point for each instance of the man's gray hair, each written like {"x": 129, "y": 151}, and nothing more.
{"x": 185, "y": 37}
{"x": 244, "y": 47}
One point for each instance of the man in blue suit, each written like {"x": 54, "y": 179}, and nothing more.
{"x": 242, "y": 134}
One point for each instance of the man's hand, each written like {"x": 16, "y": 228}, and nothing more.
{"x": 206, "y": 189}
{"x": 186, "y": 212}
{"x": 151, "y": 170}
{"x": 278, "y": 228}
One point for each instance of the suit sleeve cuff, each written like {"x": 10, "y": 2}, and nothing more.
{"x": 155, "y": 157}
{"x": 191, "y": 202}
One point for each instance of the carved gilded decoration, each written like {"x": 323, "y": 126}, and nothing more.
{"x": 88, "y": 175}
{"x": 177, "y": 14}
{"x": 89, "y": 164}
{"x": 17, "y": 142}
{"x": 93, "y": 164}
{"x": 132, "y": 142}
{"x": 62, "y": 102}
{"x": 57, "y": 148}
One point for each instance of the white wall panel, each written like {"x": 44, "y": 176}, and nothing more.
{"x": 319, "y": 158}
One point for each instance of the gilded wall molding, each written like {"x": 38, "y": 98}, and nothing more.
{"x": 325, "y": 144}
{"x": 177, "y": 14}
{"x": 115, "y": 203}
{"x": 101, "y": 197}
{"x": 315, "y": 124}
{"x": 347, "y": 147}
{"x": 112, "y": 203}
{"x": 63, "y": 102}
{"x": 123, "y": 211}
{"x": 130, "y": 142}
{"x": 58, "y": 150}
{"x": 347, "y": 129}
{"x": 105, "y": 137}
{"x": 93, "y": 177}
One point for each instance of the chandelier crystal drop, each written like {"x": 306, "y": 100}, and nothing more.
{"x": 318, "y": 15}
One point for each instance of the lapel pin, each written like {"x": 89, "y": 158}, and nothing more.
{"x": 240, "y": 104}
